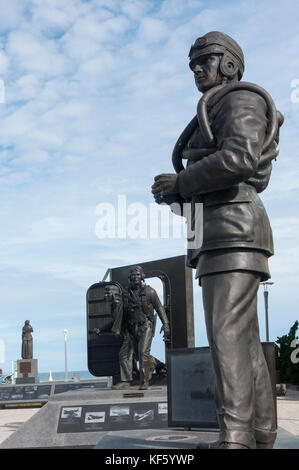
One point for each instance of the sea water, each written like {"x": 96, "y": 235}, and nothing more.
{"x": 44, "y": 376}
{"x": 84, "y": 374}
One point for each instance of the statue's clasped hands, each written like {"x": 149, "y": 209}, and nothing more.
{"x": 165, "y": 185}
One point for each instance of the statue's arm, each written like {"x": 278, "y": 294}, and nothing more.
{"x": 158, "y": 306}
{"x": 161, "y": 312}
{"x": 239, "y": 128}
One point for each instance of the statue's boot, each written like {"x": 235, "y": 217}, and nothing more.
{"x": 144, "y": 386}
{"x": 146, "y": 371}
{"x": 121, "y": 386}
{"x": 208, "y": 445}
{"x": 264, "y": 445}
{"x": 212, "y": 444}
{"x": 220, "y": 445}
{"x": 232, "y": 445}
{"x": 265, "y": 439}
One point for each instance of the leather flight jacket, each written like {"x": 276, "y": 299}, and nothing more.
{"x": 229, "y": 177}
{"x": 139, "y": 307}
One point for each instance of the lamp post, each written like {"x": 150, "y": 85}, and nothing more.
{"x": 65, "y": 332}
{"x": 266, "y": 295}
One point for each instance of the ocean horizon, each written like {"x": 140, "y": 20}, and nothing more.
{"x": 60, "y": 375}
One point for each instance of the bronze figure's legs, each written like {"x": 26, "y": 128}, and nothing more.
{"x": 126, "y": 359}
{"x": 243, "y": 392}
{"x": 265, "y": 422}
{"x": 139, "y": 345}
{"x": 145, "y": 359}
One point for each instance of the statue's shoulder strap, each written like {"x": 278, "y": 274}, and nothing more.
{"x": 146, "y": 295}
{"x": 217, "y": 93}
{"x": 125, "y": 298}
{"x": 181, "y": 143}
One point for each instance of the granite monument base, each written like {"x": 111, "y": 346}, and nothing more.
{"x": 27, "y": 371}
{"x": 79, "y": 419}
{"x": 113, "y": 419}
{"x": 27, "y": 380}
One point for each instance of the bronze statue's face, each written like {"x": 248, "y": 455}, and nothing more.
{"x": 135, "y": 278}
{"x": 206, "y": 71}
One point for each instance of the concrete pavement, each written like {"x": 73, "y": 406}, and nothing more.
{"x": 287, "y": 411}
{"x": 12, "y": 419}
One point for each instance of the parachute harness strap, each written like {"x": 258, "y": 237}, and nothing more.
{"x": 223, "y": 90}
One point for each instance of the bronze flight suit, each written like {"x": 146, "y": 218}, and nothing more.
{"x": 233, "y": 259}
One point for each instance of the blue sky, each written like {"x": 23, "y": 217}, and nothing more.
{"x": 97, "y": 93}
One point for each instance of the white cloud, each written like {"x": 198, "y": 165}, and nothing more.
{"x": 24, "y": 88}
{"x": 84, "y": 40}
{"x": 286, "y": 227}
{"x": 35, "y": 54}
{"x": 34, "y": 157}
{"x": 175, "y": 8}
{"x": 153, "y": 30}
{"x": 12, "y": 14}
{"x": 135, "y": 9}
{"x": 3, "y": 63}
{"x": 53, "y": 16}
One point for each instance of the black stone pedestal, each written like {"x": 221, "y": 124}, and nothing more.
{"x": 27, "y": 380}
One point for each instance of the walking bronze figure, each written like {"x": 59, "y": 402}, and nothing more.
{"x": 138, "y": 328}
{"x": 229, "y": 147}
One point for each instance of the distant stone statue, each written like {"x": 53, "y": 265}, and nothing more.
{"x": 27, "y": 341}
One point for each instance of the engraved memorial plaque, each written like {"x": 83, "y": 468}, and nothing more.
{"x": 25, "y": 367}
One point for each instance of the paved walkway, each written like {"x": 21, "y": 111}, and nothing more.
{"x": 287, "y": 411}
{"x": 12, "y": 419}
